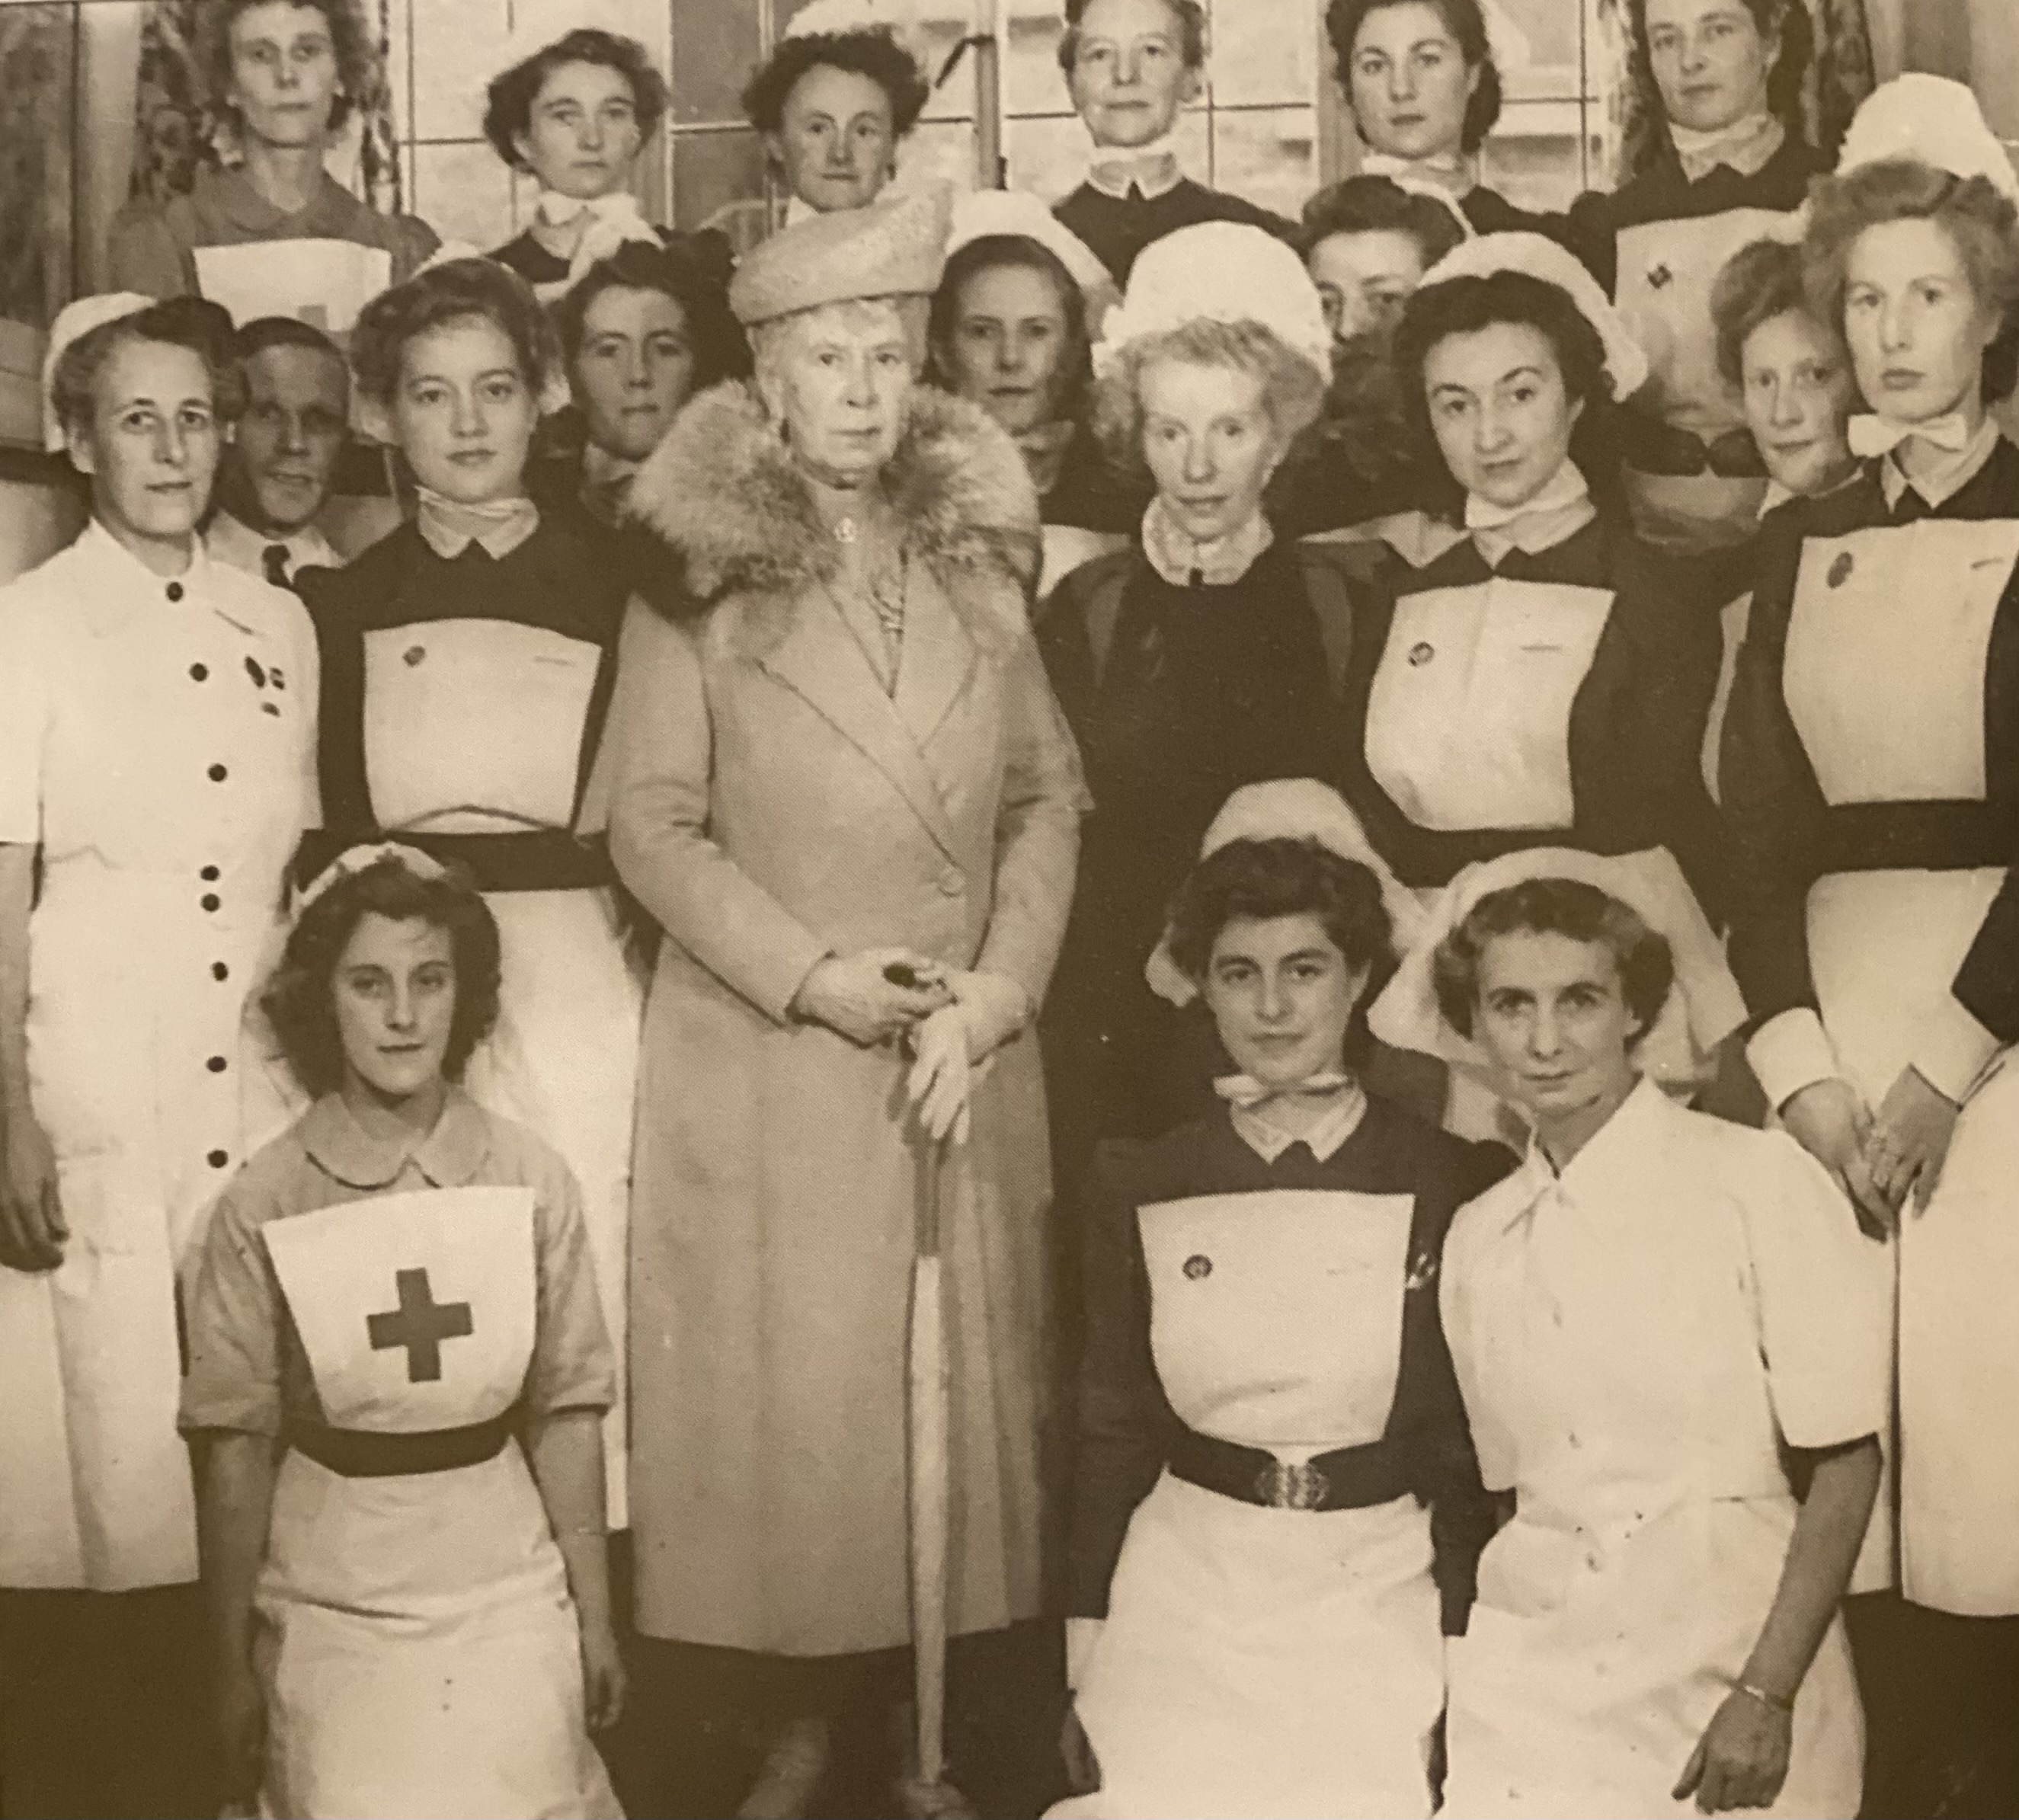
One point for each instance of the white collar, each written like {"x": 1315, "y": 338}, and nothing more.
{"x": 497, "y": 528}
{"x": 116, "y": 583}
{"x": 559, "y": 210}
{"x": 1965, "y": 461}
{"x": 1180, "y": 558}
{"x": 231, "y": 540}
{"x": 1747, "y": 146}
{"x": 1150, "y": 170}
{"x": 1563, "y": 508}
{"x": 1778, "y": 495}
{"x": 1452, "y": 173}
{"x": 1610, "y": 1170}
{"x": 1341, "y": 1118}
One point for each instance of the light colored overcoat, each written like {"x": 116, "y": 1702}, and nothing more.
{"x": 771, "y": 804}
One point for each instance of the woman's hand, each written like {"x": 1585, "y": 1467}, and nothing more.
{"x": 604, "y": 1684}
{"x": 1741, "y": 1760}
{"x": 854, "y": 995}
{"x": 1829, "y": 1121}
{"x": 241, "y": 1725}
{"x": 1909, "y": 1142}
{"x": 32, "y": 1232}
{"x": 1082, "y": 1766}
{"x": 941, "y": 1074}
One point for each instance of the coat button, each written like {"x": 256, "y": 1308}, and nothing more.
{"x": 1840, "y": 571}
{"x": 217, "y": 1159}
{"x": 951, "y": 884}
{"x": 199, "y": 672}
{"x": 175, "y": 590}
{"x": 1198, "y": 1265}
{"x": 1420, "y": 654}
{"x": 217, "y": 773}
{"x": 413, "y": 654}
{"x": 211, "y": 902}
{"x": 216, "y": 1064}
{"x": 219, "y": 971}
{"x": 209, "y": 874}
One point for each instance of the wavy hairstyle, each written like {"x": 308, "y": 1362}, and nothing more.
{"x": 1789, "y": 19}
{"x": 874, "y": 52}
{"x": 1001, "y": 252}
{"x": 1190, "y": 15}
{"x": 1983, "y": 225}
{"x": 195, "y": 323}
{"x": 350, "y": 39}
{"x": 720, "y": 349}
{"x": 454, "y": 291}
{"x": 508, "y": 103}
{"x": 1465, "y": 20}
{"x": 300, "y": 1001}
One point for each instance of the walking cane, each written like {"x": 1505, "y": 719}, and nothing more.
{"x": 928, "y": 1795}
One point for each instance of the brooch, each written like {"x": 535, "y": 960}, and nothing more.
{"x": 1660, "y": 278}
{"x": 1420, "y": 654}
{"x": 1198, "y": 1265}
{"x": 1840, "y": 571}
{"x": 258, "y": 675}
{"x": 414, "y": 655}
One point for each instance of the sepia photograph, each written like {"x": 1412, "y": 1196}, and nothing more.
{"x": 969, "y": 909}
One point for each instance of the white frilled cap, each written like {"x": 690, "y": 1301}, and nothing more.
{"x": 843, "y": 18}
{"x": 985, "y": 214}
{"x": 353, "y": 861}
{"x": 538, "y": 24}
{"x": 1291, "y": 809}
{"x": 74, "y": 321}
{"x": 1933, "y": 120}
{"x": 1220, "y": 271}
{"x": 1704, "y": 1005}
{"x": 1625, "y": 361}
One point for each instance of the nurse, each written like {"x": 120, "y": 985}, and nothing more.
{"x": 573, "y": 103}
{"x": 1728, "y": 78}
{"x": 1539, "y": 683}
{"x": 469, "y": 659}
{"x": 276, "y": 235}
{"x": 1670, "y": 1349}
{"x": 1273, "y": 1479}
{"x": 157, "y": 769}
{"x": 1872, "y": 783}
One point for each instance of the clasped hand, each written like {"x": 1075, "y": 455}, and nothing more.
{"x": 1877, "y": 1161}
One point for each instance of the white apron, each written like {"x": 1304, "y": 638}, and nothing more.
{"x": 1666, "y": 269}
{"x": 319, "y": 281}
{"x": 464, "y": 712}
{"x": 1264, "y": 1662}
{"x": 418, "y": 1649}
{"x": 1880, "y": 648}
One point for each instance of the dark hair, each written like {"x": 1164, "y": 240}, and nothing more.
{"x": 1789, "y": 18}
{"x": 1190, "y": 15}
{"x": 873, "y": 52}
{"x": 300, "y": 1002}
{"x": 1464, "y": 20}
{"x": 195, "y": 323}
{"x": 350, "y": 39}
{"x": 451, "y": 293}
{"x": 1465, "y": 305}
{"x": 720, "y": 349}
{"x": 1758, "y": 283}
{"x": 1565, "y": 907}
{"x": 1379, "y": 205}
{"x": 508, "y": 103}
{"x": 264, "y": 331}
{"x": 1267, "y": 878}
{"x": 998, "y": 252}
{"x": 1984, "y": 225}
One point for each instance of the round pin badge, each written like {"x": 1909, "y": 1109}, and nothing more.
{"x": 1197, "y": 1266}
{"x": 1840, "y": 571}
{"x": 1420, "y": 654}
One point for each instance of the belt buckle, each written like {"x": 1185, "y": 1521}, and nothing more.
{"x": 1285, "y": 1485}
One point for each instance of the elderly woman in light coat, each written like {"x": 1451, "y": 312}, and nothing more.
{"x": 844, "y": 790}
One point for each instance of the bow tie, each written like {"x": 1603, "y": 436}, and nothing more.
{"x": 1249, "y": 1094}
{"x": 1870, "y": 434}
{"x": 1150, "y": 169}
{"x": 559, "y": 210}
{"x": 1447, "y": 171}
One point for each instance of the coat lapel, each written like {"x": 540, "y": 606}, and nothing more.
{"x": 819, "y": 660}
{"x": 938, "y": 658}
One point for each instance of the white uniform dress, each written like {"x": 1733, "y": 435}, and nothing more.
{"x": 1637, "y": 1339}
{"x": 1871, "y": 774}
{"x": 158, "y": 747}
{"x": 1254, "y": 1657}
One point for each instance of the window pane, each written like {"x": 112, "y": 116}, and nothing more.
{"x": 454, "y": 43}
{"x": 943, "y": 150}
{"x": 1535, "y": 44}
{"x": 1263, "y": 53}
{"x": 463, "y": 192}
{"x": 1032, "y": 82}
{"x": 715, "y": 47}
{"x": 1532, "y": 157}
{"x": 1270, "y": 157}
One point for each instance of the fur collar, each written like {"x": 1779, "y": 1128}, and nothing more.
{"x": 721, "y": 493}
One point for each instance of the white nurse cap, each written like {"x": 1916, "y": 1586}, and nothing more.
{"x": 1291, "y": 809}
{"x": 845, "y": 18}
{"x": 74, "y": 321}
{"x": 1703, "y": 1007}
{"x": 1220, "y": 271}
{"x": 1625, "y": 361}
{"x": 1932, "y": 120}
{"x": 986, "y": 214}
{"x": 537, "y": 24}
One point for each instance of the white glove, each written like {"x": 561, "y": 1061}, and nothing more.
{"x": 953, "y": 1044}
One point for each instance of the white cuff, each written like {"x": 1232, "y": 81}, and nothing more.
{"x": 1954, "y": 1049}
{"x": 1082, "y": 1639}
{"x": 1789, "y": 1053}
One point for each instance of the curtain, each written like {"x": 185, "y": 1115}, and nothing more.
{"x": 1840, "y": 76}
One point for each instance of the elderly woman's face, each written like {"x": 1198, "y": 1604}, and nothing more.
{"x": 1711, "y": 61}
{"x": 1916, "y": 327}
{"x": 1007, "y": 348}
{"x": 839, "y": 386}
{"x": 1364, "y": 279}
{"x": 284, "y": 73}
{"x": 1128, "y": 77}
{"x": 1796, "y": 390}
{"x": 464, "y": 412}
{"x": 634, "y": 370}
{"x": 1282, "y": 995}
{"x": 1551, "y": 1013}
{"x": 581, "y": 135}
{"x": 1210, "y": 443}
{"x": 837, "y": 140}
{"x": 1408, "y": 83}
{"x": 1502, "y": 412}
{"x": 151, "y": 447}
